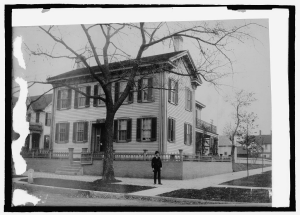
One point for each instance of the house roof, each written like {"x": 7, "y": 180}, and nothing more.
{"x": 155, "y": 59}
{"x": 224, "y": 141}
{"x": 38, "y": 105}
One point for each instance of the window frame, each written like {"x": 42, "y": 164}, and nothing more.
{"x": 140, "y": 130}
{"x": 173, "y": 91}
{"x": 37, "y": 117}
{"x": 172, "y": 136}
{"x": 128, "y": 131}
{"x": 188, "y": 99}
{"x": 48, "y": 119}
{"x": 142, "y": 90}
{"x": 63, "y": 99}
{"x": 60, "y": 132}
{"x": 82, "y": 97}
{"x": 188, "y": 136}
{"x": 81, "y": 131}
{"x": 100, "y": 102}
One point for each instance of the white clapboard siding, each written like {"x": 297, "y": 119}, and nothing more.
{"x": 179, "y": 113}
{"x": 91, "y": 114}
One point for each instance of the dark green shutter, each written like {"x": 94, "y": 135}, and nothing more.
{"x": 87, "y": 99}
{"x": 170, "y": 88}
{"x": 85, "y": 132}
{"x": 58, "y": 100}
{"x": 169, "y": 129}
{"x": 74, "y": 131}
{"x": 115, "y": 139}
{"x": 150, "y": 89}
{"x": 117, "y": 89}
{"x": 153, "y": 129}
{"x": 129, "y": 123}
{"x": 185, "y": 133}
{"x": 138, "y": 129}
{"x": 174, "y": 129}
{"x": 95, "y": 101}
{"x": 56, "y": 132}
{"x": 67, "y": 132}
{"x": 76, "y": 100}
{"x": 139, "y": 96}
{"x": 69, "y": 98}
{"x": 176, "y": 92}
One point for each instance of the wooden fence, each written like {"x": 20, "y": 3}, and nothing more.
{"x": 88, "y": 157}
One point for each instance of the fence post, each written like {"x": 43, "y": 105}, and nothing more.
{"x": 180, "y": 154}
{"x": 145, "y": 154}
{"x": 71, "y": 155}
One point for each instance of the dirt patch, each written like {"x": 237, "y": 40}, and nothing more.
{"x": 94, "y": 186}
{"x": 222, "y": 194}
{"x": 259, "y": 180}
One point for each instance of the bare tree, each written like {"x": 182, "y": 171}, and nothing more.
{"x": 239, "y": 102}
{"x": 211, "y": 41}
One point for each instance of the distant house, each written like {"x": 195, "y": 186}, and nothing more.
{"x": 266, "y": 141}
{"x": 39, "y": 117}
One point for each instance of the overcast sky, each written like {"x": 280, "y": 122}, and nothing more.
{"x": 251, "y": 65}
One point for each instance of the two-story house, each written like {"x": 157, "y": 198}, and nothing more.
{"x": 39, "y": 117}
{"x": 160, "y": 114}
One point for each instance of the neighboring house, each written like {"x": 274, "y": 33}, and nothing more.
{"x": 151, "y": 118}
{"x": 204, "y": 131}
{"x": 266, "y": 141}
{"x": 224, "y": 146}
{"x": 39, "y": 118}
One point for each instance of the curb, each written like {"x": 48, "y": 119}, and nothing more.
{"x": 71, "y": 191}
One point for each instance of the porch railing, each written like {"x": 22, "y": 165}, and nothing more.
{"x": 200, "y": 124}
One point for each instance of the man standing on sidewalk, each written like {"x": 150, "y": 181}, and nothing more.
{"x": 156, "y": 167}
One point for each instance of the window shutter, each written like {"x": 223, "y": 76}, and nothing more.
{"x": 185, "y": 133}
{"x": 87, "y": 99}
{"x": 169, "y": 91}
{"x": 138, "y": 129}
{"x": 117, "y": 89}
{"x": 176, "y": 92}
{"x": 76, "y": 100}
{"x": 153, "y": 129}
{"x": 67, "y": 132}
{"x": 150, "y": 89}
{"x": 130, "y": 96}
{"x": 58, "y": 100}
{"x": 95, "y": 101}
{"x": 56, "y": 132}
{"x": 74, "y": 131}
{"x": 186, "y": 98}
{"x": 139, "y": 96}
{"x": 69, "y": 98}
{"x": 191, "y": 134}
{"x": 169, "y": 129}
{"x": 46, "y": 117}
{"x": 115, "y": 139}
{"x": 85, "y": 132}
{"x": 128, "y": 130}
{"x": 191, "y": 107}
{"x": 174, "y": 129}
{"x": 37, "y": 117}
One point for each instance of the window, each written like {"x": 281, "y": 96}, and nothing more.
{"x": 146, "y": 129}
{"x": 145, "y": 90}
{"x": 187, "y": 134}
{"x": 28, "y": 117}
{"x": 37, "y": 118}
{"x": 188, "y": 99}
{"x": 98, "y": 91}
{"x": 80, "y": 99}
{"x": 122, "y": 130}
{"x": 62, "y": 132}
{"x": 171, "y": 129}
{"x": 173, "y": 91}
{"x": 64, "y": 99}
{"x": 119, "y": 89}
{"x": 80, "y": 132}
{"x": 48, "y": 119}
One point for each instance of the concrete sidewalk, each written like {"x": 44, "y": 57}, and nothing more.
{"x": 168, "y": 185}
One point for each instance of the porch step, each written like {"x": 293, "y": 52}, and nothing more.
{"x": 73, "y": 169}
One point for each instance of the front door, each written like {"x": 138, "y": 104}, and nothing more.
{"x": 98, "y": 137}
{"x": 35, "y": 140}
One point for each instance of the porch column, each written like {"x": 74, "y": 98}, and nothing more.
{"x": 180, "y": 154}
{"x": 30, "y": 140}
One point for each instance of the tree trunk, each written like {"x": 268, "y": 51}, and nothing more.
{"x": 108, "y": 168}
{"x": 233, "y": 157}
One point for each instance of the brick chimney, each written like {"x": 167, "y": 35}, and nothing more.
{"x": 79, "y": 63}
{"x": 177, "y": 41}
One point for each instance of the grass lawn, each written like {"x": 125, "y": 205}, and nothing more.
{"x": 95, "y": 186}
{"x": 243, "y": 166}
{"x": 223, "y": 194}
{"x": 259, "y": 180}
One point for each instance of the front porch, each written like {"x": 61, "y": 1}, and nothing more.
{"x": 206, "y": 138}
